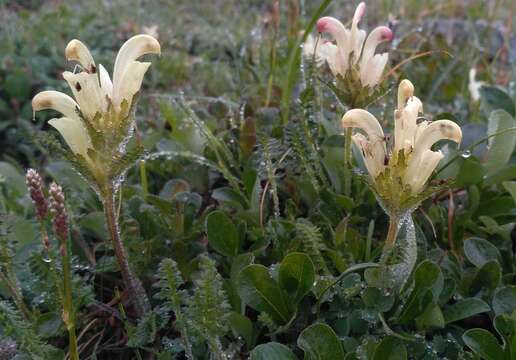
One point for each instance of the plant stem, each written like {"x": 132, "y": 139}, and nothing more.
{"x": 68, "y": 311}
{"x": 132, "y": 283}
{"x": 392, "y": 232}
{"x": 347, "y": 162}
{"x": 16, "y": 296}
{"x": 143, "y": 177}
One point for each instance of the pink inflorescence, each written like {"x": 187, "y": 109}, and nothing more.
{"x": 35, "y": 187}
{"x": 57, "y": 207}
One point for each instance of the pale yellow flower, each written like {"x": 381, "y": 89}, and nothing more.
{"x": 352, "y": 49}
{"x": 98, "y": 99}
{"x": 411, "y": 159}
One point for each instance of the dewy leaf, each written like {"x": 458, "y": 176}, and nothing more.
{"x": 257, "y": 289}
{"x": 479, "y": 251}
{"x": 464, "y": 309}
{"x": 510, "y": 186}
{"x": 501, "y": 146}
{"x": 272, "y": 351}
{"x": 390, "y": 348}
{"x": 494, "y": 98}
{"x": 483, "y": 343}
{"x": 296, "y": 275}
{"x": 222, "y": 234}
{"x": 319, "y": 342}
{"x": 504, "y": 300}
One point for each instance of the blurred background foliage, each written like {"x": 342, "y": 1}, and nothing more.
{"x": 210, "y": 117}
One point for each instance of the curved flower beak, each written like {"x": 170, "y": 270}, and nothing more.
{"x": 77, "y": 51}
{"x": 373, "y": 147}
{"x": 371, "y": 65}
{"x": 128, "y": 73}
{"x": 70, "y": 126}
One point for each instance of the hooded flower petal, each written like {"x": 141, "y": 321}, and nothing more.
{"x": 371, "y": 65}
{"x": 106, "y": 86}
{"x": 362, "y": 119}
{"x": 423, "y": 160}
{"x": 356, "y": 36}
{"x": 57, "y": 101}
{"x": 373, "y": 167}
{"x": 405, "y": 117}
{"x": 417, "y": 177}
{"x": 128, "y": 73}
{"x": 328, "y": 24}
{"x": 86, "y": 90}
{"x": 77, "y": 51}
{"x": 74, "y": 133}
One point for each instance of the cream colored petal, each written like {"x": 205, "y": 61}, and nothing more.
{"x": 356, "y": 36}
{"x": 57, "y": 101}
{"x": 417, "y": 174}
{"x": 406, "y": 124}
{"x": 377, "y": 36}
{"x": 106, "y": 86}
{"x": 371, "y": 72}
{"x": 405, "y": 91}
{"x": 74, "y": 133}
{"x": 438, "y": 130}
{"x": 86, "y": 90}
{"x": 328, "y": 24}
{"x": 420, "y": 128}
{"x": 362, "y": 119}
{"x": 126, "y": 64}
{"x": 77, "y": 51}
{"x": 374, "y": 165}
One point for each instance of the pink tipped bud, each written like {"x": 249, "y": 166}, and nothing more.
{"x": 35, "y": 187}
{"x": 323, "y": 24}
{"x": 57, "y": 207}
{"x": 359, "y": 12}
{"x": 387, "y": 34}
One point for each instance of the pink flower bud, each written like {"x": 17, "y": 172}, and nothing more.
{"x": 35, "y": 187}
{"x": 57, "y": 208}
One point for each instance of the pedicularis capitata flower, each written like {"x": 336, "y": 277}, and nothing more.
{"x": 352, "y": 58}
{"x": 400, "y": 176}
{"x": 97, "y": 124}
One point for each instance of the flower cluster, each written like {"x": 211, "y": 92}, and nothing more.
{"x": 97, "y": 123}
{"x": 352, "y": 58}
{"x": 401, "y": 174}
{"x": 35, "y": 187}
{"x": 57, "y": 207}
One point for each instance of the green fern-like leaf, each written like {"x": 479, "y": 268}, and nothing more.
{"x": 27, "y": 339}
{"x": 208, "y": 309}
{"x": 313, "y": 245}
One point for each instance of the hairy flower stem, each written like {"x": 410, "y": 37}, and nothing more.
{"x": 347, "y": 162}
{"x": 392, "y": 233}
{"x": 68, "y": 311}
{"x": 132, "y": 283}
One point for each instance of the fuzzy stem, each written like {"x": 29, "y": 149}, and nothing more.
{"x": 132, "y": 283}
{"x": 16, "y": 296}
{"x": 68, "y": 311}
{"x": 143, "y": 177}
{"x": 347, "y": 162}
{"x": 392, "y": 232}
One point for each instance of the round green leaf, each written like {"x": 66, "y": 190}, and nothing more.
{"x": 504, "y": 300}
{"x": 256, "y": 287}
{"x": 296, "y": 275}
{"x": 272, "y": 351}
{"x": 464, "y": 309}
{"x": 479, "y": 251}
{"x": 390, "y": 349}
{"x": 320, "y": 342}
{"x": 483, "y": 343}
{"x": 222, "y": 234}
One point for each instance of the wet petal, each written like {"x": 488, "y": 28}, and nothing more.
{"x": 77, "y": 51}
{"x": 128, "y": 73}
{"x": 57, "y": 101}
{"x": 74, "y": 133}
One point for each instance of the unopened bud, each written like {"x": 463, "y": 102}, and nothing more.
{"x": 35, "y": 187}
{"x": 57, "y": 207}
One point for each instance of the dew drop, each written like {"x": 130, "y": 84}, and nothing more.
{"x": 466, "y": 154}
